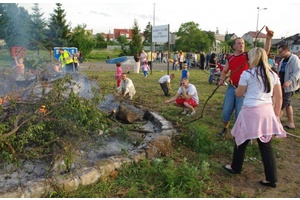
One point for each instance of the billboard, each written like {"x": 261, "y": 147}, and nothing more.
{"x": 160, "y": 33}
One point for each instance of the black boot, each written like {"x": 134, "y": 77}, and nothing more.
{"x": 224, "y": 131}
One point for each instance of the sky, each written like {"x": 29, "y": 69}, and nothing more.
{"x": 234, "y": 16}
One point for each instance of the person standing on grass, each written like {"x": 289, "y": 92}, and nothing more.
{"x": 107, "y": 58}
{"x": 66, "y": 60}
{"x": 164, "y": 57}
{"x": 80, "y": 56}
{"x": 188, "y": 57}
{"x": 212, "y": 67}
{"x": 143, "y": 57}
{"x": 207, "y": 59}
{"x": 289, "y": 73}
{"x": 165, "y": 83}
{"x": 155, "y": 56}
{"x": 234, "y": 62}
{"x": 202, "y": 59}
{"x": 137, "y": 63}
{"x": 190, "y": 97}
{"x": 195, "y": 59}
{"x": 258, "y": 119}
{"x": 159, "y": 57}
{"x": 118, "y": 74}
{"x": 75, "y": 60}
{"x": 150, "y": 58}
{"x": 145, "y": 68}
{"x": 181, "y": 59}
{"x": 175, "y": 59}
{"x": 184, "y": 73}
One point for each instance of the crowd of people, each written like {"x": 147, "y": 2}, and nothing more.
{"x": 258, "y": 92}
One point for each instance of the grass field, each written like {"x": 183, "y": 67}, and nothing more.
{"x": 194, "y": 170}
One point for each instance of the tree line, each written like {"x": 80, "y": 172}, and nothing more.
{"x": 19, "y": 28}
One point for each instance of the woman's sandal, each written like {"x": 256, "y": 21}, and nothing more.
{"x": 273, "y": 185}
{"x": 228, "y": 169}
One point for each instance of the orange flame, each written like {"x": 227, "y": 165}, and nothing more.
{"x": 43, "y": 109}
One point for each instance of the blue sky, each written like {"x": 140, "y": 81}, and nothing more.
{"x": 234, "y": 16}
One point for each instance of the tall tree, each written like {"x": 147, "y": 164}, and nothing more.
{"x": 14, "y": 25}
{"x": 136, "y": 40}
{"x": 122, "y": 40}
{"x": 148, "y": 34}
{"x": 3, "y": 20}
{"x": 38, "y": 24}
{"x": 107, "y": 38}
{"x": 100, "y": 41}
{"x": 84, "y": 41}
{"x": 192, "y": 38}
{"x": 59, "y": 30}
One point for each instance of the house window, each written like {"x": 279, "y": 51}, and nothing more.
{"x": 297, "y": 48}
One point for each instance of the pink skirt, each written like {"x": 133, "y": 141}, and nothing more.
{"x": 257, "y": 122}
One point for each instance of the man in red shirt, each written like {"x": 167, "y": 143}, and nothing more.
{"x": 231, "y": 101}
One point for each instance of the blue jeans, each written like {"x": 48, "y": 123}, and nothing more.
{"x": 174, "y": 65}
{"x": 145, "y": 73}
{"x": 159, "y": 59}
{"x": 231, "y": 102}
{"x": 188, "y": 62}
{"x": 210, "y": 76}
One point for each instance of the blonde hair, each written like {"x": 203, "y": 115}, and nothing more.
{"x": 184, "y": 66}
{"x": 258, "y": 58}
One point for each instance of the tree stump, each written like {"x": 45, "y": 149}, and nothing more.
{"x": 127, "y": 115}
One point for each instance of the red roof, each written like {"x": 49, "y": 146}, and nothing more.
{"x": 253, "y": 34}
{"x": 118, "y": 32}
{"x": 105, "y": 35}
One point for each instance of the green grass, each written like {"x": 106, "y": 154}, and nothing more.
{"x": 147, "y": 180}
{"x": 175, "y": 176}
{"x": 100, "y": 55}
{"x": 194, "y": 169}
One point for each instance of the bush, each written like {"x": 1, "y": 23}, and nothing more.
{"x": 56, "y": 123}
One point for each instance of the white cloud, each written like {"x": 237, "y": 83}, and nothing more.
{"x": 235, "y": 16}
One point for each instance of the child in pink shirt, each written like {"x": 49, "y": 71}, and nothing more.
{"x": 128, "y": 68}
{"x": 118, "y": 74}
{"x": 145, "y": 68}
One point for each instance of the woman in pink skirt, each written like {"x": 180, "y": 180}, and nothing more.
{"x": 258, "y": 119}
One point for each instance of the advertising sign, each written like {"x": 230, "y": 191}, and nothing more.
{"x": 160, "y": 33}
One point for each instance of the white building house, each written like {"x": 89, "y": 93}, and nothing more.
{"x": 251, "y": 35}
{"x": 293, "y": 42}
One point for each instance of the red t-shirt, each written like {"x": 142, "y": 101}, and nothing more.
{"x": 234, "y": 63}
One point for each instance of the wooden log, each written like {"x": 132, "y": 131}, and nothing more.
{"x": 127, "y": 115}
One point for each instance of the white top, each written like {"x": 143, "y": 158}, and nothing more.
{"x": 195, "y": 56}
{"x": 127, "y": 87}
{"x": 165, "y": 78}
{"x": 254, "y": 94}
{"x": 143, "y": 57}
{"x": 191, "y": 90}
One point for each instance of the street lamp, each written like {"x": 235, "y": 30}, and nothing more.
{"x": 153, "y": 24}
{"x": 257, "y": 18}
